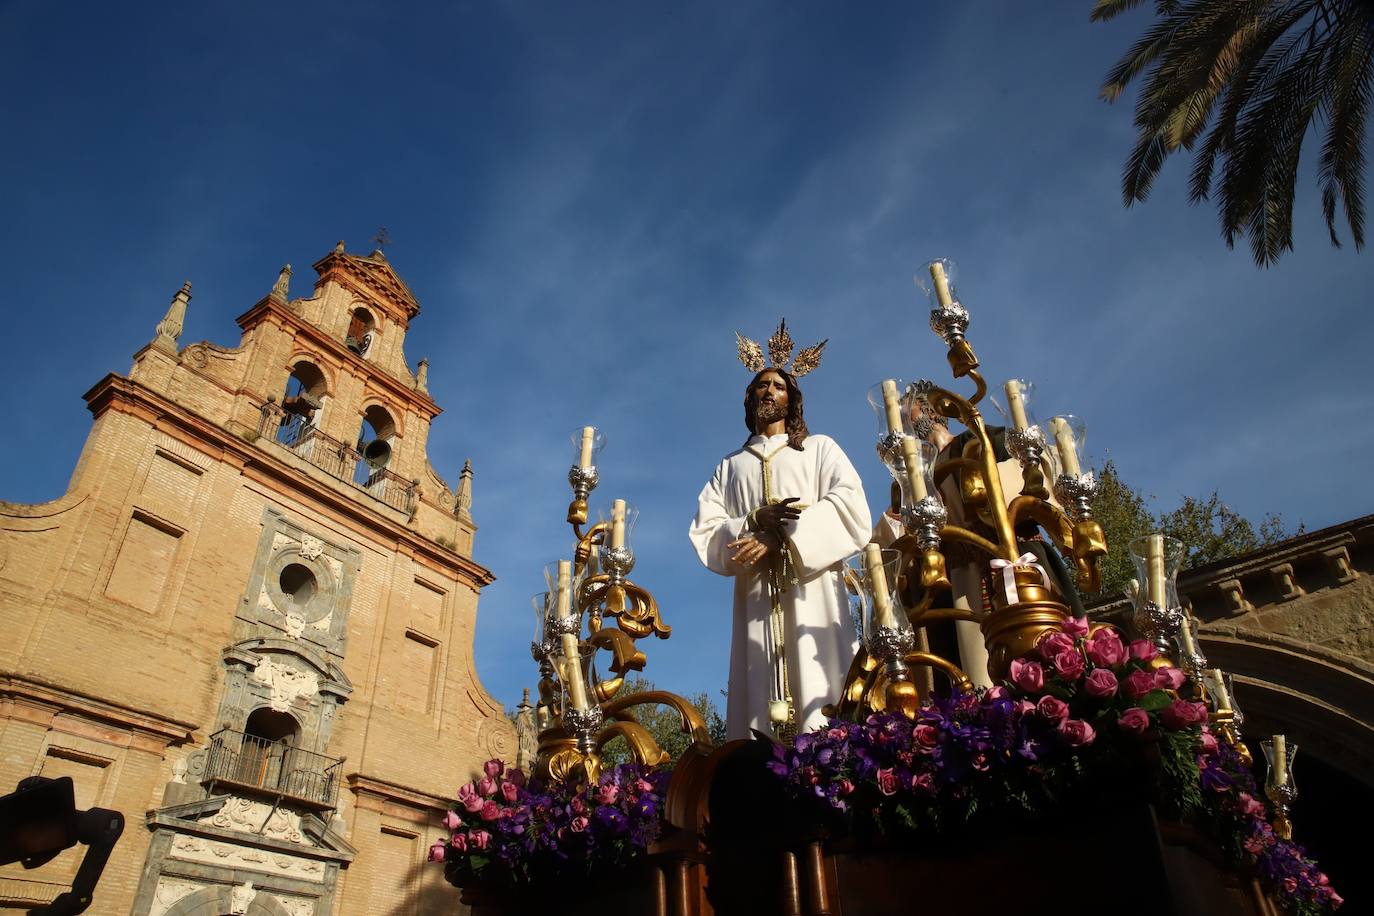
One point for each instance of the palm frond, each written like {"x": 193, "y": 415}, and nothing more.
{"x": 1341, "y": 169}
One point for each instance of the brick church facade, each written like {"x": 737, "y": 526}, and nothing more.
{"x": 248, "y": 624}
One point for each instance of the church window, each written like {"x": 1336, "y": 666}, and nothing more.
{"x": 362, "y": 331}
{"x": 374, "y": 446}
{"x": 298, "y": 584}
{"x": 302, "y": 402}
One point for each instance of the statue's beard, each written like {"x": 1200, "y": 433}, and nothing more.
{"x": 768, "y": 412}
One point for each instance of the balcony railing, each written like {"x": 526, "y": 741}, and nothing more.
{"x": 338, "y": 459}
{"x": 272, "y": 767}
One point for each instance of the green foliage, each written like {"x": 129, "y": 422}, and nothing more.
{"x": 1246, "y": 81}
{"x": 664, "y": 724}
{"x": 1211, "y": 529}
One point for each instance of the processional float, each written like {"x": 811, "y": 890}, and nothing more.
{"x": 894, "y": 589}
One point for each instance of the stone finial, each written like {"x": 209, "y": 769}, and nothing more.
{"x": 462, "y": 503}
{"x": 525, "y": 699}
{"x": 281, "y": 290}
{"x": 422, "y": 376}
{"x": 169, "y": 328}
{"x": 339, "y": 248}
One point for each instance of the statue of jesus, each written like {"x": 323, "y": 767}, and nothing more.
{"x": 781, "y": 515}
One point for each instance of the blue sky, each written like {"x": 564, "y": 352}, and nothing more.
{"x": 588, "y": 199}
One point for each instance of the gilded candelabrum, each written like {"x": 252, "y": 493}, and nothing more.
{"x": 584, "y": 711}
{"x": 1025, "y": 602}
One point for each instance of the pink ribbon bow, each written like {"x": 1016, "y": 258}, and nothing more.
{"x": 1008, "y": 568}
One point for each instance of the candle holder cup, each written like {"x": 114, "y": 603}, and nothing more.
{"x": 1158, "y": 612}
{"x": 617, "y": 561}
{"x": 1279, "y": 784}
{"x": 582, "y": 475}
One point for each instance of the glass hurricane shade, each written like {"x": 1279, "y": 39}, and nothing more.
{"x": 1066, "y": 438}
{"x": 874, "y": 593}
{"x": 928, "y": 285}
{"x": 587, "y": 443}
{"x": 1157, "y": 560}
{"x": 543, "y": 606}
{"x": 607, "y": 516}
{"x": 1279, "y": 753}
{"x": 1002, "y": 401}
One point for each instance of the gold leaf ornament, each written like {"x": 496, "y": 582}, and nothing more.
{"x": 750, "y": 353}
{"x": 808, "y": 359}
{"x": 780, "y": 346}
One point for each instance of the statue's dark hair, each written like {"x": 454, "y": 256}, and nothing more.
{"x": 795, "y": 424}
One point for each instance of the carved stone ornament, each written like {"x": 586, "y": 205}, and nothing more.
{"x": 241, "y": 897}
{"x": 295, "y": 625}
{"x": 248, "y": 816}
{"x": 287, "y": 683}
{"x": 311, "y": 547}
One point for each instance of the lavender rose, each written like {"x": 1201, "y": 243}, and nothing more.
{"x": 1134, "y": 721}
{"x": 1076, "y": 732}
{"x": 1028, "y": 676}
{"x": 1104, "y": 648}
{"x": 1100, "y": 683}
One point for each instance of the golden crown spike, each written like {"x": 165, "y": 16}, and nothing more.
{"x": 780, "y": 347}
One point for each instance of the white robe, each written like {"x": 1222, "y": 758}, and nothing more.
{"x": 819, "y": 636}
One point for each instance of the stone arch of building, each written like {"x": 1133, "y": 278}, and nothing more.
{"x": 218, "y": 901}
{"x": 1323, "y": 699}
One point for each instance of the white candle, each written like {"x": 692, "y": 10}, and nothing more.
{"x": 1016, "y": 404}
{"x": 893, "y": 405}
{"x": 1068, "y": 448}
{"x": 915, "y": 473}
{"x": 937, "y": 273}
{"x": 572, "y": 655}
{"x": 882, "y": 600}
{"x": 618, "y": 524}
{"x": 1280, "y": 760}
{"x": 1217, "y": 685}
{"x": 585, "y": 458}
{"x": 1185, "y": 634}
{"x": 1154, "y": 564}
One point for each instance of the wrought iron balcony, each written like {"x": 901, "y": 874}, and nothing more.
{"x": 338, "y": 459}
{"x": 272, "y": 768}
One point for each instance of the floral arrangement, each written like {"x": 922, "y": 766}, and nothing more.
{"x": 1091, "y": 716}
{"x": 509, "y": 830}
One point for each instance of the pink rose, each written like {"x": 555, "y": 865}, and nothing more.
{"x": 922, "y": 782}
{"x": 1024, "y": 707}
{"x": 1076, "y": 732}
{"x": 1104, "y": 648}
{"x": 845, "y": 787}
{"x": 887, "y": 782}
{"x": 1134, "y": 721}
{"x": 1076, "y": 627}
{"x": 644, "y": 785}
{"x": 490, "y": 810}
{"x": 473, "y": 804}
{"x": 517, "y": 777}
{"x": 1142, "y": 651}
{"x": 480, "y": 839}
{"x": 1100, "y": 683}
{"x": 1209, "y": 745}
{"x": 1028, "y": 676}
{"x": 1069, "y": 664}
{"x": 493, "y": 768}
{"x": 927, "y": 736}
{"x": 1180, "y": 714}
{"x": 1249, "y": 805}
{"x": 1139, "y": 683}
{"x": 437, "y": 851}
{"x": 509, "y": 792}
{"x": 607, "y": 795}
{"x": 579, "y": 823}
{"x": 1336, "y": 900}
{"x": 1290, "y": 884}
{"x": 452, "y": 821}
{"x": 459, "y": 842}
{"x": 466, "y": 792}
{"x": 996, "y": 693}
{"x": 486, "y": 787}
{"x": 1168, "y": 678}
{"x": 1054, "y": 643}
{"x": 1052, "y": 708}
{"x": 981, "y": 762}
